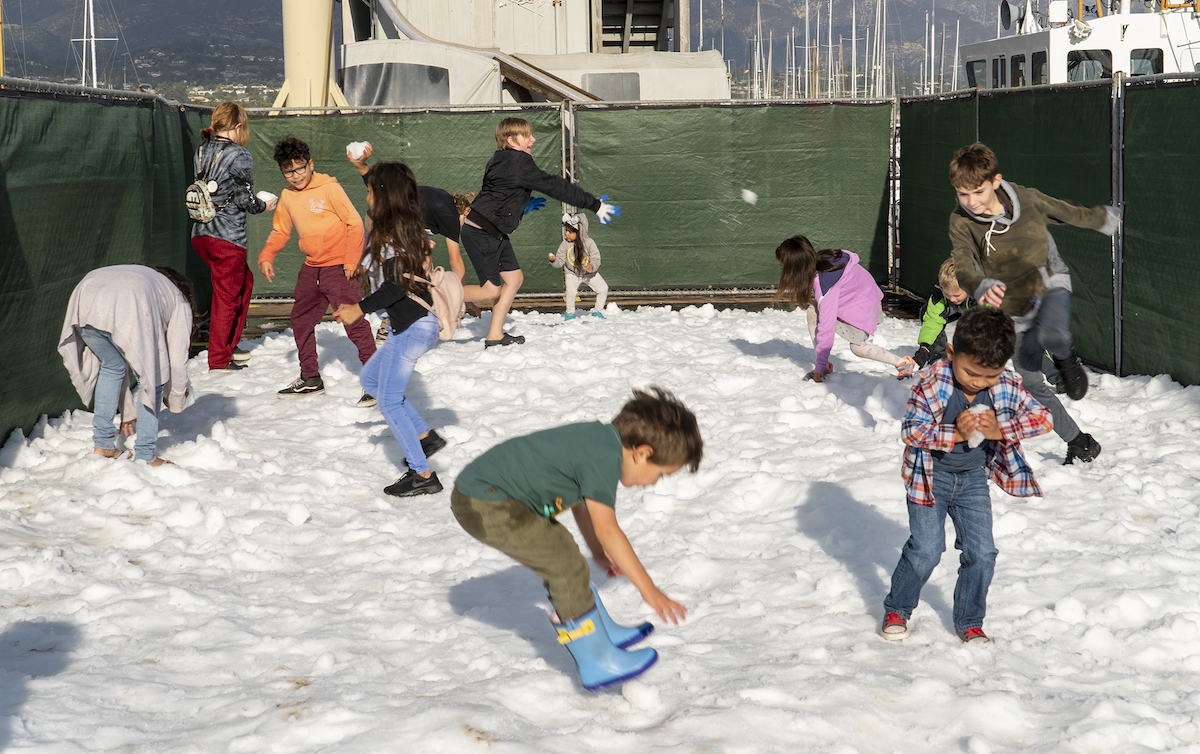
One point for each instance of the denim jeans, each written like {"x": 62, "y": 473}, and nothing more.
{"x": 1049, "y": 331}
{"x": 386, "y": 375}
{"x": 107, "y": 399}
{"x": 964, "y": 496}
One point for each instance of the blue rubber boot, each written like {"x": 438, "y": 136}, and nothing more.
{"x": 600, "y": 662}
{"x": 622, "y": 636}
{"x": 568, "y": 315}
{"x": 599, "y": 314}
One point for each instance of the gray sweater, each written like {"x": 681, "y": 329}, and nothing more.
{"x": 234, "y": 174}
{"x": 147, "y": 318}
{"x": 591, "y": 252}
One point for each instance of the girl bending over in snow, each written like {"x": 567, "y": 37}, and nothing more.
{"x": 398, "y": 248}
{"x": 847, "y": 302}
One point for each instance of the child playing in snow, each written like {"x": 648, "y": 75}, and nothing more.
{"x": 1004, "y": 257}
{"x": 398, "y": 247}
{"x": 945, "y": 470}
{"x": 848, "y": 302}
{"x": 125, "y": 318}
{"x": 331, "y": 237}
{"x": 580, "y": 258}
{"x": 946, "y": 304}
{"x": 508, "y": 179}
{"x": 508, "y": 498}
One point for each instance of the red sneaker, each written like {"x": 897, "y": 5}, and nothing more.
{"x": 974, "y": 636}
{"x": 895, "y": 627}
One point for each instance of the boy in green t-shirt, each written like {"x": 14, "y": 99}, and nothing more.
{"x": 509, "y": 496}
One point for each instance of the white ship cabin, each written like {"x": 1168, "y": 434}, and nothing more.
{"x": 1061, "y": 48}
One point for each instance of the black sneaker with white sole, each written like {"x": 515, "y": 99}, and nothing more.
{"x": 366, "y": 401}
{"x": 303, "y": 386}
{"x": 232, "y": 366}
{"x": 412, "y": 484}
{"x": 240, "y": 354}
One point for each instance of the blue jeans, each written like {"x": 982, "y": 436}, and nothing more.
{"x": 107, "y": 398}
{"x": 964, "y": 496}
{"x": 386, "y": 376}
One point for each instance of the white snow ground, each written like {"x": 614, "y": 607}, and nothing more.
{"x": 264, "y": 595}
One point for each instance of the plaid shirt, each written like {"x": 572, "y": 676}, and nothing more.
{"x": 1017, "y": 413}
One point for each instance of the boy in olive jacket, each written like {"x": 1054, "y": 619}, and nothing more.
{"x": 1004, "y": 257}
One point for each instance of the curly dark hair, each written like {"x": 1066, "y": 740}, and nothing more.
{"x": 289, "y": 149}
{"x": 986, "y": 334}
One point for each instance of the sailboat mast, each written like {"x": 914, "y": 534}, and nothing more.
{"x": 92, "y": 17}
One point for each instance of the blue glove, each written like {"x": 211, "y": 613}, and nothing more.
{"x": 535, "y": 203}
{"x": 607, "y": 211}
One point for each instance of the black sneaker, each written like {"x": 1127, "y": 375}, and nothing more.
{"x": 1084, "y": 447}
{"x": 507, "y": 340}
{"x": 1072, "y": 380}
{"x": 366, "y": 401}
{"x": 413, "y": 483}
{"x": 232, "y": 366}
{"x": 303, "y": 386}
{"x": 432, "y": 443}
{"x": 240, "y": 354}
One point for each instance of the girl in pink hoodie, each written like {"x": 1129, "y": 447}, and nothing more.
{"x": 847, "y": 302}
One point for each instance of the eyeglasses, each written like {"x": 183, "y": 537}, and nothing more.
{"x": 296, "y": 171}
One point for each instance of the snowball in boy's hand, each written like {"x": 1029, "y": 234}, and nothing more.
{"x": 266, "y": 196}
{"x": 356, "y": 148}
{"x": 749, "y": 197}
{"x": 976, "y": 437}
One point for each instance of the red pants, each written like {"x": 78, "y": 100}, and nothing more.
{"x": 232, "y": 283}
{"x": 318, "y": 288}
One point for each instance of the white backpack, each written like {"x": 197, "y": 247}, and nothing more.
{"x": 447, "y": 292}
{"x": 198, "y": 196}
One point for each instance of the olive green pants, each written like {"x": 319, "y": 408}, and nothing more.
{"x": 541, "y": 543}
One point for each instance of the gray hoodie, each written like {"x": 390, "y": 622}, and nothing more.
{"x": 591, "y": 252}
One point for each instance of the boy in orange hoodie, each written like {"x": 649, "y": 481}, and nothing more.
{"x": 331, "y": 237}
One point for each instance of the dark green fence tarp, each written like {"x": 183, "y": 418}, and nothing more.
{"x": 1161, "y": 266}
{"x": 1057, "y": 141}
{"x": 448, "y": 150}
{"x": 679, "y": 172}
{"x": 82, "y": 185}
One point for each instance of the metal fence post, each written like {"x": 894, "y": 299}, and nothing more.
{"x": 1118, "y": 200}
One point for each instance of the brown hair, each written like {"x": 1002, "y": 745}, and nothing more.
{"x": 227, "y": 116}
{"x": 947, "y": 278}
{"x": 462, "y": 202}
{"x": 972, "y": 166}
{"x": 665, "y": 424}
{"x": 511, "y": 127}
{"x": 397, "y": 221}
{"x": 800, "y": 263}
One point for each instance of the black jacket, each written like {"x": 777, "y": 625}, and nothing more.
{"x": 509, "y": 178}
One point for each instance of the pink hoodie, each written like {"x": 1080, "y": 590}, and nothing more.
{"x": 854, "y": 299}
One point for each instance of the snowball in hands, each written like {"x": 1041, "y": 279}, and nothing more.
{"x": 355, "y": 149}
{"x": 976, "y": 436}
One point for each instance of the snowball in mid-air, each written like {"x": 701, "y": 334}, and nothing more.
{"x": 749, "y": 197}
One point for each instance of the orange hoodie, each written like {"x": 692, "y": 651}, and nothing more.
{"x": 331, "y": 232}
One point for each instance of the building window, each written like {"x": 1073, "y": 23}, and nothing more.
{"x": 976, "y": 71}
{"x": 1089, "y": 65}
{"x": 614, "y": 87}
{"x": 1146, "y": 62}
{"x": 1016, "y": 69}
{"x": 1038, "y": 74}
{"x": 999, "y": 73}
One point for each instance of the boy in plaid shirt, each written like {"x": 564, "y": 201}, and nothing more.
{"x": 964, "y": 422}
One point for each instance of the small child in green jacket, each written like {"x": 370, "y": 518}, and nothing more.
{"x": 946, "y": 304}
{"x": 508, "y": 498}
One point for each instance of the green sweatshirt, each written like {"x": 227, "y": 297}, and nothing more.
{"x": 1015, "y": 249}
